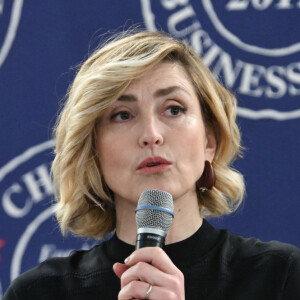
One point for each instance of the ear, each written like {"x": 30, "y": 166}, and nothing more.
{"x": 211, "y": 144}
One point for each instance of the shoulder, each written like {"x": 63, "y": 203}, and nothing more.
{"x": 79, "y": 264}
{"x": 245, "y": 248}
{"x": 270, "y": 258}
{"x": 268, "y": 262}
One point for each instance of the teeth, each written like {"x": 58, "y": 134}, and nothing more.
{"x": 153, "y": 164}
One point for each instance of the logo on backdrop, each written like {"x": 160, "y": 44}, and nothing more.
{"x": 10, "y": 14}
{"x": 26, "y": 198}
{"x": 257, "y": 60}
{"x": 2, "y": 243}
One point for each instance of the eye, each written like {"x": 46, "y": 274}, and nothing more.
{"x": 175, "y": 110}
{"x": 121, "y": 116}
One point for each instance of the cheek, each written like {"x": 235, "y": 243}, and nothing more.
{"x": 193, "y": 136}
{"x": 192, "y": 142}
{"x": 113, "y": 158}
{"x": 193, "y": 148}
{"x": 106, "y": 151}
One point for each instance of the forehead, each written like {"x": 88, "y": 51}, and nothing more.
{"x": 163, "y": 75}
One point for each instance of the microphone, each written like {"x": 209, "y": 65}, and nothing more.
{"x": 154, "y": 216}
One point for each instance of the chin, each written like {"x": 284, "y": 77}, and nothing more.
{"x": 161, "y": 187}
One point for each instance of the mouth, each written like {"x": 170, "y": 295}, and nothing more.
{"x": 153, "y": 165}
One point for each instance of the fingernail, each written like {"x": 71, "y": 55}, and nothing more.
{"x": 126, "y": 260}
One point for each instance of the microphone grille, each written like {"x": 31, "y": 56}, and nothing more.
{"x": 155, "y": 210}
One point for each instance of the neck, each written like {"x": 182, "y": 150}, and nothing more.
{"x": 126, "y": 225}
{"x": 186, "y": 222}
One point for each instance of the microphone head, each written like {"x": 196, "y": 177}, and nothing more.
{"x": 154, "y": 212}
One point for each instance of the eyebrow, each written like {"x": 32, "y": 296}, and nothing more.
{"x": 129, "y": 98}
{"x": 157, "y": 94}
{"x": 169, "y": 90}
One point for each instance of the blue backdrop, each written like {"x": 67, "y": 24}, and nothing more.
{"x": 252, "y": 46}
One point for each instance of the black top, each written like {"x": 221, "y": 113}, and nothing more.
{"x": 215, "y": 264}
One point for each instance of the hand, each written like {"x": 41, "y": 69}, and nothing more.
{"x": 149, "y": 266}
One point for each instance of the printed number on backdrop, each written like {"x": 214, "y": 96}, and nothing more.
{"x": 262, "y": 4}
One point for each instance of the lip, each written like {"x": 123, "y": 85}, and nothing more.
{"x": 153, "y": 165}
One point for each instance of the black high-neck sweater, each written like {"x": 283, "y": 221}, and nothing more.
{"x": 215, "y": 264}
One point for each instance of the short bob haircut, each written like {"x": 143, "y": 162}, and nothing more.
{"x": 85, "y": 205}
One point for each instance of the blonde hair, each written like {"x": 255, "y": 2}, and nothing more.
{"x": 84, "y": 203}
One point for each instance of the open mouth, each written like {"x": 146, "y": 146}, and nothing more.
{"x": 153, "y": 164}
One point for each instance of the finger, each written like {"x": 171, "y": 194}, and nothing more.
{"x": 155, "y": 256}
{"x": 119, "y": 269}
{"x": 145, "y": 272}
{"x": 138, "y": 290}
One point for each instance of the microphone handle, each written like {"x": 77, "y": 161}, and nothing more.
{"x": 149, "y": 240}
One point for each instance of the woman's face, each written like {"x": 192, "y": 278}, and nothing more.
{"x": 153, "y": 137}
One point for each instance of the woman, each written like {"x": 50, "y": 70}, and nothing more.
{"x": 144, "y": 113}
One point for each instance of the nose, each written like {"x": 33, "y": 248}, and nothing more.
{"x": 150, "y": 133}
